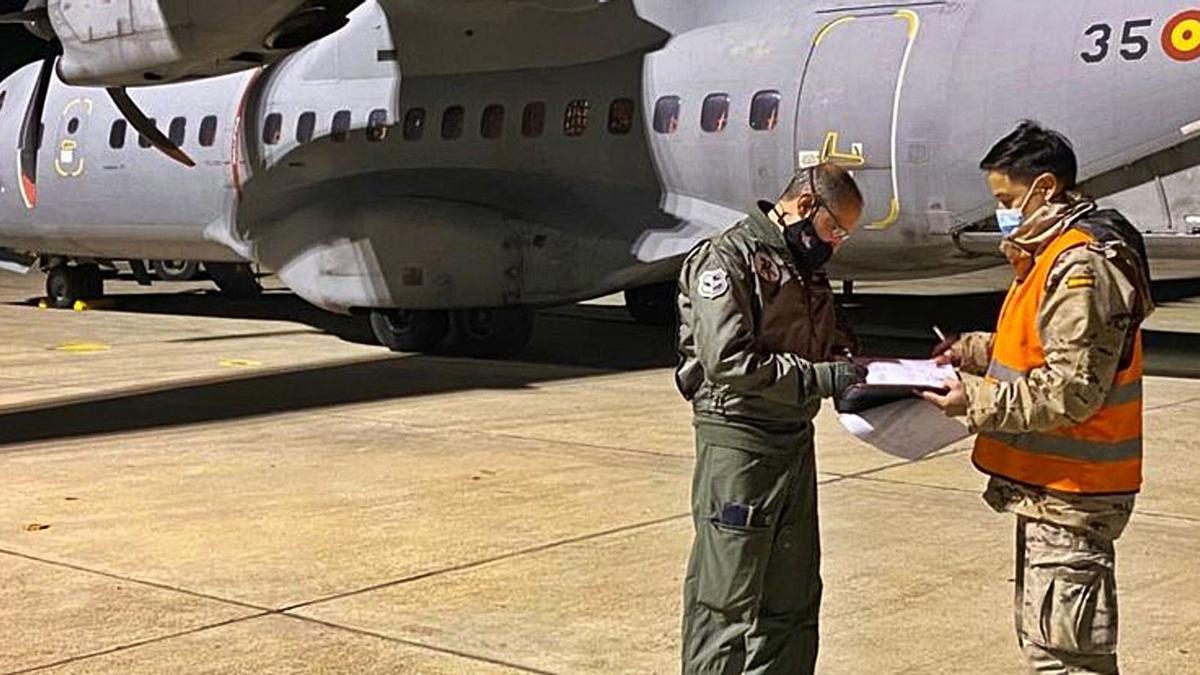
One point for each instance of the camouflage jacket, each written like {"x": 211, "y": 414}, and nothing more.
{"x": 751, "y": 326}
{"x": 1086, "y": 331}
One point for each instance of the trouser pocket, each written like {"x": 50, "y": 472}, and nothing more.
{"x": 1070, "y": 594}
{"x": 732, "y": 565}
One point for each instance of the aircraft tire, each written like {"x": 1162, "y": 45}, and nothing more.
{"x": 409, "y": 330}
{"x": 91, "y": 281}
{"x": 176, "y": 270}
{"x": 236, "y": 280}
{"x": 63, "y": 287}
{"x": 652, "y": 305}
{"x": 488, "y": 333}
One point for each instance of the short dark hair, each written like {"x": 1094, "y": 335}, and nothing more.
{"x": 1032, "y": 150}
{"x": 834, "y": 185}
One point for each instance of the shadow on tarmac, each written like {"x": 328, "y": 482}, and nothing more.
{"x": 572, "y": 342}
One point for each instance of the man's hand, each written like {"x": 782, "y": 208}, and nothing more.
{"x": 835, "y": 377}
{"x": 949, "y": 351}
{"x": 954, "y": 402}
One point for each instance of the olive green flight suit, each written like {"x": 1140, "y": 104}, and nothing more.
{"x": 756, "y": 339}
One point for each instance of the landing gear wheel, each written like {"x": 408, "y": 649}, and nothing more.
{"x": 652, "y": 305}
{"x": 176, "y": 270}
{"x": 236, "y": 280}
{"x": 492, "y": 332}
{"x": 403, "y": 330}
{"x": 67, "y": 284}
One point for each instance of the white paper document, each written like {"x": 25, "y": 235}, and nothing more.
{"x": 917, "y": 374}
{"x": 909, "y": 429}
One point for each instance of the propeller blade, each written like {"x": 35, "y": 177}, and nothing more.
{"x": 27, "y": 16}
{"x": 35, "y": 17}
{"x": 142, "y": 124}
{"x": 31, "y": 131}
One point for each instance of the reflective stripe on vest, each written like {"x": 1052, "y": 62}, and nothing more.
{"x": 1101, "y": 455}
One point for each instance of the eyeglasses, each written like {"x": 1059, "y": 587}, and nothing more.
{"x": 838, "y": 231}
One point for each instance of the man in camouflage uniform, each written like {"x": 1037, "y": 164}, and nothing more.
{"x": 759, "y": 346}
{"x": 1072, "y": 488}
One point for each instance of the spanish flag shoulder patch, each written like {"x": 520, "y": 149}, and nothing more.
{"x": 1081, "y": 281}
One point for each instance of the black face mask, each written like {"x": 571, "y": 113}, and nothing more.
{"x": 810, "y": 251}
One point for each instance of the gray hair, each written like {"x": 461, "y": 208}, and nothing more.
{"x": 830, "y": 183}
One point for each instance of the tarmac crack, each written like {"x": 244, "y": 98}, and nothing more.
{"x": 286, "y": 611}
{"x": 139, "y": 643}
{"x": 475, "y": 564}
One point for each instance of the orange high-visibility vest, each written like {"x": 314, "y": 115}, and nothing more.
{"x": 1103, "y": 454}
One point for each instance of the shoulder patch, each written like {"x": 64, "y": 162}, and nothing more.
{"x": 766, "y": 268}
{"x": 1081, "y": 281}
{"x": 714, "y": 284}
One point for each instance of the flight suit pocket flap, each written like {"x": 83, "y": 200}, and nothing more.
{"x": 730, "y": 578}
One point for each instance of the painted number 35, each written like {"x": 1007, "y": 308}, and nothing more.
{"x": 1180, "y": 39}
{"x": 1134, "y": 45}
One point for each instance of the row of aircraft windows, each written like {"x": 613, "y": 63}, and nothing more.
{"x": 714, "y": 118}
{"x": 576, "y": 118}
{"x": 714, "y": 112}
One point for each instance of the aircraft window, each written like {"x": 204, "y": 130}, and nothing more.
{"x": 492, "y": 125}
{"x": 177, "y": 131}
{"x": 272, "y": 129}
{"x": 340, "y": 132}
{"x": 116, "y": 135}
{"x": 575, "y": 119}
{"x": 714, "y": 117}
{"x": 208, "y": 131}
{"x": 414, "y": 124}
{"x": 3, "y": 95}
{"x": 533, "y": 120}
{"x": 620, "y": 116}
{"x": 764, "y": 111}
{"x": 306, "y": 127}
{"x": 666, "y": 115}
{"x": 452, "y": 122}
{"x": 144, "y": 142}
{"x": 73, "y": 125}
{"x": 377, "y": 125}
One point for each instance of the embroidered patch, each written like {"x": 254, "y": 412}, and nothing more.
{"x": 766, "y": 268}
{"x": 1081, "y": 281}
{"x": 714, "y": 284}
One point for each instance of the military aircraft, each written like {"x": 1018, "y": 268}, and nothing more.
{"x": 447, "y": 167}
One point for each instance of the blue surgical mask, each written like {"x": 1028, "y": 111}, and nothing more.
{"x": 1011, "y": 220}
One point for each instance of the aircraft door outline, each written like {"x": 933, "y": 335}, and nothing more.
{"x": 844, "y": 146}
{"x": 69, "y": 160}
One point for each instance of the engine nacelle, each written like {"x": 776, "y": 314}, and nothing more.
{"x": 142, "y": 42}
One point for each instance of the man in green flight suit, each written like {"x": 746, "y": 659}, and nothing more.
{"x": 760, "y": 346}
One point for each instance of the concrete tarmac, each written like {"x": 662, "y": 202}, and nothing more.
{"x": 198, "y": 485}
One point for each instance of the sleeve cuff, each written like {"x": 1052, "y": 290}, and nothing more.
{"x": 981, "y": 402}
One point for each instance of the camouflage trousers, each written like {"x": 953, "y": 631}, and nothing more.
{"x": 753, "y": 587}
{"x": 1066, "y": 599}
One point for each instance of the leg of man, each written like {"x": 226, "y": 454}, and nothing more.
{"x": 723, "y": 589}
{"x": 784, "y": 637}
{"x": 1067, "y": 616}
